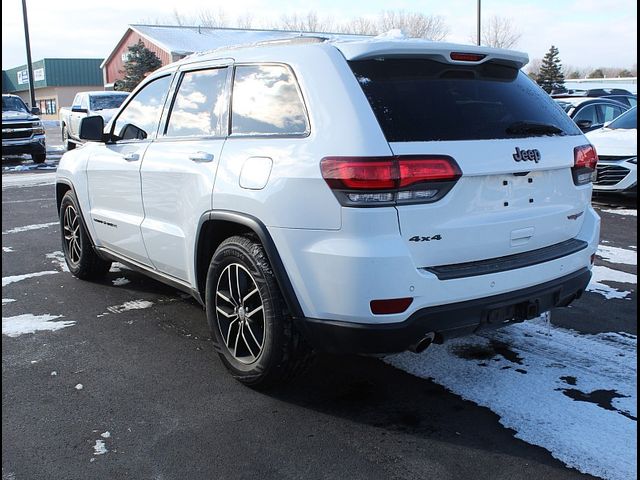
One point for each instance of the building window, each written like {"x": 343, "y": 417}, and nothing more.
{"x": 125, "y": 56}
{"x": 48, "y": 106}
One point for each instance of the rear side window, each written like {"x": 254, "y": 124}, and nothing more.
{"x": 199, "y": 105}
{"x": 266, "y": 101}
{"x": 425, "y": 100}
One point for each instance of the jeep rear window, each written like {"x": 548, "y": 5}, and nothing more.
{"x": 416, "y": 99}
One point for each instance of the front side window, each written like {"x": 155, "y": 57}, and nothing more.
{"x": 139, "y": 119}
{"x": 266, "y": 101}
{"x": 626, "y": 121}
{"x": 588, "y": 113}
{"x": 199, "y": 105}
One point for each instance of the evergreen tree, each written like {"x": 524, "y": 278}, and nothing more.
{"x": 551, "y": 76}
{"x": 140, "y": 62}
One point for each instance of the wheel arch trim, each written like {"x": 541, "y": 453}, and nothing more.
{"x": 260, "y": 229}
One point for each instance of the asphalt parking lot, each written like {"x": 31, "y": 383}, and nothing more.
{"x": 128, "y": 384}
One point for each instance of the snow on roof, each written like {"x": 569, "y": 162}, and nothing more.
{"x": 186, "y": 40}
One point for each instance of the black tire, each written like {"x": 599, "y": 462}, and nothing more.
{"x": 267, "y": 349}
{"x": 65, "y": 139}
{"x": 82, "y": 260}
{"x": 38, "y": 157}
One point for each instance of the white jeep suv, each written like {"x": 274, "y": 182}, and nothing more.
{"x": 367, "y": 196}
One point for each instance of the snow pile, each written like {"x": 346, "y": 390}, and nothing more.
{"x": 622, "y": 211}
{"x": 58, "y": 258}
{"x": 26, "y": 228}
{"x": 18, "y": 278}
{"x": 118, "y": 282}
{"x": 29, "y": 323}
{"x": 618, "y": 255}
{"x": 28, "y": 180}
{"x": 99, "y": 448}
{"x": 601, "y": 273}
{"x": 132, "y": 305}
{"x": 573, "y": 394}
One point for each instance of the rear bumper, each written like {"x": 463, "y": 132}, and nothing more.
{"x": 446, "y": 321}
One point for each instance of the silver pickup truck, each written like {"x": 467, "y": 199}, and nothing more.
{"x": 101, "y": 103}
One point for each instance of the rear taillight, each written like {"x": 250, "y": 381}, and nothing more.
{"x": 585, "y": 159}
{"x": 379, "y": 181}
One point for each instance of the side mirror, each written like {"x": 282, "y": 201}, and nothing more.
{"x": 91, "y": 128}
{"x": 35, "y": 110}
{"x": 79, "y": 110}
{"x": 584, "y": 124}
{"x": 131, "y": 132}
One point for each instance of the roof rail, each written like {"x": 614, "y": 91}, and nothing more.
{"x": 302, "y": 39}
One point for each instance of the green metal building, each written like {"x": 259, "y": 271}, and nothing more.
{"x": 56, "y": 81}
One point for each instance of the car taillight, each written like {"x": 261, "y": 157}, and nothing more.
{"x": 379, "y": 181}
{"x": 585, "y": 159}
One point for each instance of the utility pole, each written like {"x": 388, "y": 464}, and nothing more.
{"x": 32, "y": 92}
{"x": 479, "y": 34}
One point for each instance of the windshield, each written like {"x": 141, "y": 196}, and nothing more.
{"x": 417, "y": 99}
{"x": 103, "y": 102}
{"x": 628, "y": 120}
{"x": 13, "y": 104}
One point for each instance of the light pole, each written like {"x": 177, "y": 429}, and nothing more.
{"x": 32, "y": 93}
{"x": 479, "y": 35}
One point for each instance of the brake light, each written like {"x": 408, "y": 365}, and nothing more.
{"x": 377, "y": 181}
{"x": 466, "y": 57}
{"x": 585, "y": 159}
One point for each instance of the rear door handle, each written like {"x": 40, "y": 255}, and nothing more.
{"x": 131, "y": 157}
{"x": 200, "y": 157}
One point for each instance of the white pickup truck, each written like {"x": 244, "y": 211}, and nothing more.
{"x": 101, "y": 103}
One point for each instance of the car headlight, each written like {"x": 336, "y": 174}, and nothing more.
{"x": 633, "y": 160}
{"x": 38, "y": 128}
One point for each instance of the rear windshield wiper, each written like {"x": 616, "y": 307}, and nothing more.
{"x": 533, "y": 128}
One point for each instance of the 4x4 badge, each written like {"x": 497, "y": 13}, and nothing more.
{"x": 527, "y": 155}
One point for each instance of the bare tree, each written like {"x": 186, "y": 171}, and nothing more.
{"x": 359, "y": 25}
{"x": 308, "y": 22}
{"x": 533, "y": 67}
{"x": 245, "y": 20}
{"x": 211, "y": 18}
{"x": 499, "y": 32}
{"x": 413, "y": 24}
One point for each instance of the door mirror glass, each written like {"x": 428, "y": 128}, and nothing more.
{"x": 91, "y": 128}
{"x": 35, "y": 110}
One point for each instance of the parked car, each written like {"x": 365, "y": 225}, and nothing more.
{"x": 22, "y": 130}
{"x": 591, "y": 92}
{"x": 617, "y": 147}
{"x": 103, "y": 103}
{"x": 591, "y": 113}
{"x": 366, "y": 197}
{"x": 629, "y": 100}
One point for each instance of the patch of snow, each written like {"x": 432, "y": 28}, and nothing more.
{"x": 601, "y": 273}
{"x": 26, "y": 228}
{"x": 118, "y": 282}
{"x": 622, "y": 211}
{"x": 7, "y": 249}
{"x": 393, "y": 34}
{"x": 34, "y": 361}
{"x": 568, "y": 392}
{"x": 99, "y": 448}
{"x": 54, "y": 373}
{"x": 29, "y": 323}
{"x": 105, "y": 434}
{"x": 79, "y": 386}
{"x": 58, "y": 258}
{"x": 18, "y": 278}
{"x": 28, "y": 180}
{"x": 618, "y": 255}
{"x": 132, "y": 305}
{"x": 8, "y": 300}
{"x": 117, "y": 267}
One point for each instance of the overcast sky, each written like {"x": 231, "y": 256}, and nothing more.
{"x": 591, "y": 33}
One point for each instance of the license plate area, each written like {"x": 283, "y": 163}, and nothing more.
{"x": 517, "y": 312}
